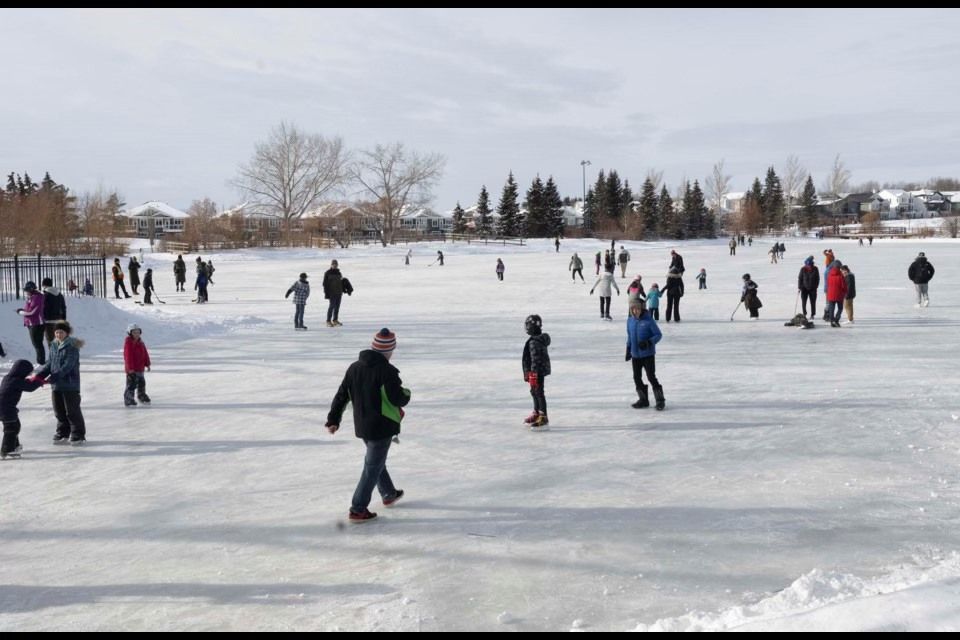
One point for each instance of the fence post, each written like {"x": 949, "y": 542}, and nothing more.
{"x": 16, "y": 271}
{"x": 39, "y": 276}
{"x": 103, "y": 273}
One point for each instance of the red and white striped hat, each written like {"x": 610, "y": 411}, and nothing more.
{"x": 385, "y": 341}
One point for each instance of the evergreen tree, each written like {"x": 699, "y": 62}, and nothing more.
{"x": 649, "y": 212}
{"x": 808, "y": 201}
{"x": 600, "y": 199}
{"x": 554, "y": 205}
{"x": 589, "y": 211}
{"x": 484, "y": 221}
{"x": 698, "y": 212}
{"x": 508, "y": 209}
{"x": 536, "y": 220}
{"x": 666, "y": 214}
{"x": 614, "y": 198}
{"x": 773, "y": 200}
{"x": 459, "y": 223}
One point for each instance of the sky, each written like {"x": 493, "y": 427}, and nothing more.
{"x": 166, "y": 104}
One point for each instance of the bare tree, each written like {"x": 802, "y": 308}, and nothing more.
{"x": 292, "y": 171}
{"x": 838, "y": 180}
{"x": 200, "y": 226}
{"x": 656, "y": 177}
{"x": 717, "y": 183}
{"x": 792, "y": 178}
{"x": 393, "y": 179}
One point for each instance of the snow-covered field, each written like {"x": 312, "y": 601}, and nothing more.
{"x": 797, "y": 480}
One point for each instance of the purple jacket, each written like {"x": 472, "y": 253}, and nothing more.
{"x": 33, "y": 310}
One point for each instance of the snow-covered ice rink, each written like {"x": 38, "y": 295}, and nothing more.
{"x": 797, "y": 480}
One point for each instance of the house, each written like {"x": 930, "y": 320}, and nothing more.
{"x": 338, "y": 218}
{"x": 256, "y": 220}
{"x": 426, "y": 221}
{"x": 934, "y": 203}
{"x": 844, "y": 208}
{"x": 154, "y": 219}
{"x": 732, "y": 202}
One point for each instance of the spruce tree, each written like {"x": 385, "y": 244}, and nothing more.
{"x": 648, "y": 209}
{"x": 698, "y": 212}
{"x": 614, "y": 199}
{"x": 808, "y": 203}
{"x": 508, "y": 209}
{"x": 589, "y": 212}
{"x": 773, "y": 201}
{"x": 536, "y": 220}
{"x": 484, "y": 221}
{"x": 665, "y": 214}
{"x": 459, "y": 223}
{"x": 554, "y": 205}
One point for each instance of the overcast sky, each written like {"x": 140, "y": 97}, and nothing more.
{"x": 165, "y": 104}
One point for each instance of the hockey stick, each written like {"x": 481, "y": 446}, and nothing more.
{"x": 735, "y": 310}
{"x": 158, "y": 298}
{"x": 796, "y": 304}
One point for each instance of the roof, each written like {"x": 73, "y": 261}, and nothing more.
{"x": 160, "y": 209}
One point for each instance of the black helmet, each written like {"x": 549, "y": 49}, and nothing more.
{"x": 30, "y": 286}
{"x": 533, "y": 324}
{"x": 746, "y": 276}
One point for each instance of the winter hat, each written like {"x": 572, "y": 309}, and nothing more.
{"x": 808, "y": 261}
{"x": 46, "y": 282}
{"x": 334, "y": 263}
{"x": 29, "y": 286}
{"x": 63, "y": 325}
{"x": 303, "y": 276}
{"x": 385, "y": 341}
{"x": 746, "y": 276}
{"x": 921, "y": 255}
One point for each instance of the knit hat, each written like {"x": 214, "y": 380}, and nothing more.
{"x": 808, "y": 261}
{"x": 385, "y": 341}
{"x": 63, "y": 325}
{"x": 921, "y": 255}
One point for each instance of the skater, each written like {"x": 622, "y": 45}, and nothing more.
{"x": 210, "y": 270}
{"x": 54, "y": 308}
{"x": 333, "y": 291}
{"x": 642, "y": 336}
{"x": 72, "y": 287}
{"x": 829, "y": 261}
{"x": 702, "y": 278}
{"x": 406, "y": 259}
{"x": 373, "y": 385}
{"x": 851, "y": 280}
{"x": 609, "y": 261}
{"x": 808, "y": 282}
{"x": 653, "y": 301}
{"x": 635, "y": 291}
{"x": 301, "y": 291}
{"x": 920, "y": 273}
{"x": 88, "y": 288}
{"x": 870, "y": 240}
{"x": 676, "y": 262}
{"x": 32, "y": 314}
{"x": 860, "y": 241}
{"x": 733, "y": 246}
{"x": 148, "y": 287}
{"x": 62, "y": 371}
{"x": 134, "y": 268}
{"x": 606, "y": 281}
{"x": 200, "y": 286}
{"x": 836, "y": 292}
{"x": 500, "y": 269}
{"x": 556, "y": 243}
{"x": 623, "y": 259}
{"x": 117, "y": 271}
{"x": 750, "y": 241}
{"x": 11, "y": 389}
{"x": 598, "y": 261}
{"x": 774, "y": 252}
{"x": 536, "y": 367}
{"x": 439, "y": 257}
{"x": 781, "y": 249}
{"x": 674, "y": 290}
{"x": 136, "y": 359}
{"x": 748, "y": 296}
{"x": 576, "y": 267}
{"x": 180, "y": 273}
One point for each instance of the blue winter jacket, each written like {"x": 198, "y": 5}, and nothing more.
{"x": 63, "y": 365}
{"x": 642, "y": 329}
{"x": 653, "y": 299}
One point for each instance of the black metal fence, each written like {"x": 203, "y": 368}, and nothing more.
{"x": 69, "y": 274}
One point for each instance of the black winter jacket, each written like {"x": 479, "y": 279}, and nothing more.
{"x": 809, "y": 279}
{"x": 372, "y": 384}
{"x": 12, "y": 388}
{"x": 332, "y": 283}
{"x": 535, "y": 355}
{"x": 921, "y": 271}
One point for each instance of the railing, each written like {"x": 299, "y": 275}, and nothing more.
{"x": 18, "y": 270}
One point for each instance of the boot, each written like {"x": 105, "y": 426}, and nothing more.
{"x": 658, "y": 394}
{"x": 644, "y": 400}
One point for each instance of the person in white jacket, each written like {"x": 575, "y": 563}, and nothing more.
{"x": 605, "y": 282}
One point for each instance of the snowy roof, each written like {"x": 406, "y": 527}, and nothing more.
{"x": 332, "y": 210}
{"x": 158, "y": 209}
{"x": 735, "y": 195}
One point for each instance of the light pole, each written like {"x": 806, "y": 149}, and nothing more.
{"x": 583, "y": 165}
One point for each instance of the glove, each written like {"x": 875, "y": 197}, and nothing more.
{"x": 331, "y": 427}
{"x": 402, "y": 413}
{"x": 618, "y": 293}
{"x": 591, "y": 291}
{"x": 533, "y": 379}
{"x": 288, "y": 295}
{"x": 643, "y": 345}
{"x": 626, "y": 357}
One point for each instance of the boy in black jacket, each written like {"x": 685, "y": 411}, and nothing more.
{"x": 373, "y": 385}
{"x": 536, "y": 367}
{"x": 11, "y": 389}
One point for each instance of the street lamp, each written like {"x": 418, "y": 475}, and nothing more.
{"x": 584, "y": 164}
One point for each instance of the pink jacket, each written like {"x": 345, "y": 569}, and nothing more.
{"x": 33, "y": 310}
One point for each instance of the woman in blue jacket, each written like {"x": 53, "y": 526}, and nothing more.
{"x": 642, "y": 336}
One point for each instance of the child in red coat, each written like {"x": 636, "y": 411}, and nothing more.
{"x": 135, "y": 360}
